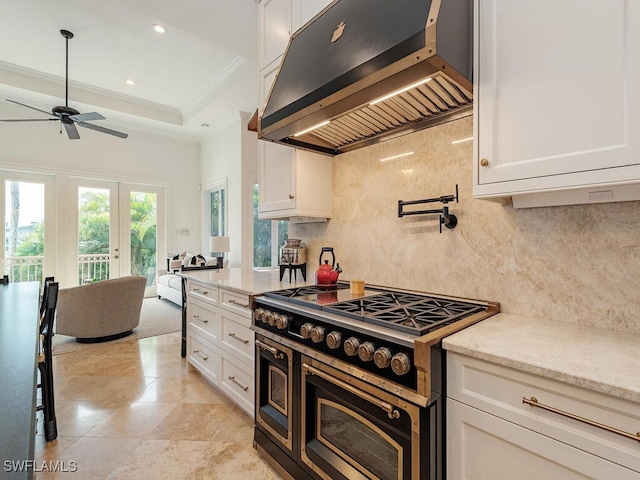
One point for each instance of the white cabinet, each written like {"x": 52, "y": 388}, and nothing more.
{"x": 220, "y": 344}
{"x": 557, "y": 100}
{"x": 292, "y": 182}
{"x": 203, "y": 329}
{"x": 309, "y": 9}
{"x": 493, "y": 435}
{"x": 277, "y": 21}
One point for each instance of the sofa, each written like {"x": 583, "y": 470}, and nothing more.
{"x": 100, "y": 311}
{"x": 169, "y": 285}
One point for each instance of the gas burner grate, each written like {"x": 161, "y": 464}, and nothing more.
{"x": 406, "y": 312}
{"x": 308, "y": 290}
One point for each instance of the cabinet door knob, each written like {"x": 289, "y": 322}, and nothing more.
{"x": 291, "y": 197}
{"x": 484, "y": 162}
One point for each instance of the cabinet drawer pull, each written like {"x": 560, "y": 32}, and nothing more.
{"x": 197, "y": 317}
{"x": 235, "y": 302}
{"x": 233, "y": 379}
{"x": 276, "y": 353}
{"x": 233, "y": 335}
{"x": 201, "y": 355}
{"x": 203, "y": 292}
{"x": 533, "y": 401}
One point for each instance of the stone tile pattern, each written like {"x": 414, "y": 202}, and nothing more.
{"x": 136, "y": 410}
{"x": 576, "y": 264}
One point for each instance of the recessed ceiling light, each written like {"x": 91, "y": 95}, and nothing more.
{"x": 130, "y": 82}
{"x": 159, "y": 28}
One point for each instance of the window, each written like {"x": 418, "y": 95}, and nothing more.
{"x": 268, "y": 235}
{"x": 214, "y": 211}
{"x": 217, "y": 208}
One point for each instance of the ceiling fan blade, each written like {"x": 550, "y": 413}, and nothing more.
{"x": 31, "y": 120}
{"x": 72, "y": 131}
{"x": 32, "y": 108}
{"x": 85, "y": 117}
{"x": 103, "y": 130}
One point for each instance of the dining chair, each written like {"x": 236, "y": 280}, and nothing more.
{"x": 43, "y": 298}
{"x": 4, "y": 280}
{"x": 45, "y": 359}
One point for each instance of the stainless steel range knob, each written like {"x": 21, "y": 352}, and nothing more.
{"x": 382, "y": 357}
{"x": 366, "y": 351}
{"x": 334, "y": 340}
{"x": 400, "y": 363}
{"x": 268, "y": 317}
{"x": 282, "y": 322}
{"x": 351, "y": 346}
{"x": 258, "y": 313}
{"x": 273, "y": 318}
{"x": 305, "y": 330}
{"x": 317, "y": 334}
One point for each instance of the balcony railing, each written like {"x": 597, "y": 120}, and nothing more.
{"x": 91, "y": 268}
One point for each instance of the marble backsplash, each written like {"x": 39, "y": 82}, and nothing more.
{"x": 577, "y": 264}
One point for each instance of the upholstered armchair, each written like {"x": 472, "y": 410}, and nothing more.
{"x": 100, "y": 311}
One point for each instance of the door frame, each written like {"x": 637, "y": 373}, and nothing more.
{"x": 119, "y": 225}
{"x": 50, "y": 221}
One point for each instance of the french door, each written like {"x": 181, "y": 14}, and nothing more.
{"x": 116, "y": 229}
{"x": 28, "y": 216}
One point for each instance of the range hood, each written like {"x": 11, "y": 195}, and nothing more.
{"x": 339, "y": 67}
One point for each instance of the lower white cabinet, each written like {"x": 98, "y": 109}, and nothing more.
{"x": 492, "y": 434}
{"x": 220, "y": 344}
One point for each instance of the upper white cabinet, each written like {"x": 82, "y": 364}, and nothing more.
{"x": 557, "y": 92}
{"x": 309, "y": 9}
{"x": 292, "y": 182}
{"x": 276, "y": 24}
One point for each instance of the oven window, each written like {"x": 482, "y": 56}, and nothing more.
{"x": 358, "y": 441}
{"x": 278, "y": 389}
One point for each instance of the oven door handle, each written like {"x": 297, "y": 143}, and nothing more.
{"x": 392, "y": 413}
{"x": 276, "y": 353}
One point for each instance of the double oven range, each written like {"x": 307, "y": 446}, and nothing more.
{"x": 352, "y": 386}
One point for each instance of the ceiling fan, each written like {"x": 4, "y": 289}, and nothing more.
{"x": 68, "y": 116}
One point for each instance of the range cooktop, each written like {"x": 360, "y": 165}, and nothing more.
{"x": 410, "y": 312}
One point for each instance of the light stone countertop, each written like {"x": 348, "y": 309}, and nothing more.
{"x": 252, "y": 282}
{"x": 601, "y": 360}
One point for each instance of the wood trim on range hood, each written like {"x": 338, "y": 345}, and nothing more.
{"x": 381, "y": 47}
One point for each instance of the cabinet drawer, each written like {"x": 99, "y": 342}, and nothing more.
{"x": 237, "y": 381}
{"x": 500, "y": 391}
{"x": 236, "y": 336}
{"x": 203, "y": 292}
{"x": 483, "y": 447}
{"x": 203, "y": 356}
{"x": 203, "y": 320}
{"x": 239, "y": 303}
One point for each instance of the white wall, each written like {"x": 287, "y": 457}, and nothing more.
{"x": 142, "y": 158}
{"x": 233, "y": 154}
{"x": 220, "y": 158}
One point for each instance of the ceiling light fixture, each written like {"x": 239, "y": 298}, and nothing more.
{"x": 159, "y": 28}
{"x": 402, "y": 90}
{"x": 315, "y": 127}
{"x": 128, "y": 81}
{"x": 204, "y": 125}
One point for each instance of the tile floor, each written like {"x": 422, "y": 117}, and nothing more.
{"x": 135, "y": 410}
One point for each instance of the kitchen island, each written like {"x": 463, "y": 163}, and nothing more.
{"x": 217, "y": 336}
{"x": 19, "y": 304}
{"x": 561, "y": 400}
